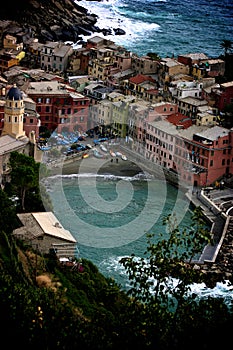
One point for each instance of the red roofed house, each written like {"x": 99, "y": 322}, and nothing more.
{"x": 138, "y": 85}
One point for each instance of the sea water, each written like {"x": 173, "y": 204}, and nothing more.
{"x": 166, "y": 27}
{"x": 110, "y": 217}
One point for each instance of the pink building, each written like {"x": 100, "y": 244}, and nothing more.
{"x": 157, "y": 133}
{"x": 204, "y": 156}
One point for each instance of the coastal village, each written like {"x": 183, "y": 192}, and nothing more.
{"x": 173, "y": 113}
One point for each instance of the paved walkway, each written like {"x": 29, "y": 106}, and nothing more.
{"x": 213, "y": 213}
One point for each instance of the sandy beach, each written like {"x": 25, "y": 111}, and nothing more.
{"x": 97, "y": 166}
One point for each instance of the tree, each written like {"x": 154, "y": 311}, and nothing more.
{"x": 162, "y": 280}
{"x": 25, "y": 181}
{"x": 154, "y": 56}
{"x": 8, "y": 218}
{"x": 226, "y": 45}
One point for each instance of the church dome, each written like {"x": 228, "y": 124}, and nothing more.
{"x": 14, "y": 93}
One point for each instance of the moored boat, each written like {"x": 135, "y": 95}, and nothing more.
{"x": 118, "y": 154}
{"x": 113, "y": 154}
{"x": 103, "y": 148}
{"x": 85, "y": 155}
{"x": 97, "y": 154}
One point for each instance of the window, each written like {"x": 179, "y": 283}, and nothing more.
{"x": 211, "y": 163}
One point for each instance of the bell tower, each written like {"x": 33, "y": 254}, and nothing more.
{"x": 14, "y": 113}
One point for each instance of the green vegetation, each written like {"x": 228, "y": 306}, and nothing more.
{"x": 154, "y": 56}
{"x": 46, "y": 305}
{"x": 25, "y": 183}
{"x": 226, "y": 45}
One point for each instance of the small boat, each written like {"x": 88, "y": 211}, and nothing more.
{"x": 85, "y": 155}
{"x": 123, "y": 157}
{"x": 44, "y": 148}
{"x": 97, "y": 154}
{"x": 103, "y": 148}
{"x": 118, "y": 154}
{"x": 113, "y": 154}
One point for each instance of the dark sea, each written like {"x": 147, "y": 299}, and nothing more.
{"x": 167, "y": 27}
{"x": 109, "y": 215}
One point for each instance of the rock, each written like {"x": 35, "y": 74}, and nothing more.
{"x": 106, "y": 31}
{"x": 51, "y": 20}
{"x": 83, "y": 31}
{"x": 119, "y": 31}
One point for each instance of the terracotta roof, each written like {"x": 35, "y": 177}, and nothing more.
{"x": 140, "y": 78}
{"x": 179, "y": 119}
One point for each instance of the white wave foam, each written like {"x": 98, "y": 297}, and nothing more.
{"x": 137, "y": 177}
{"x": 111, "y": 14}
{"x": 221, "y": 290}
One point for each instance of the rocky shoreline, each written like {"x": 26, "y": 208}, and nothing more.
{"x": 53, "y": 20}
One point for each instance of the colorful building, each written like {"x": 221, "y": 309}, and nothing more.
{"x": 60, "y": 107}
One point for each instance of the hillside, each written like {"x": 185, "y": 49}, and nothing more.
{"x": 51, "y": 19}
{"x": 50, "y": 306}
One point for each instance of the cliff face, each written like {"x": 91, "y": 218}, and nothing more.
{"x": 52, "y": 19}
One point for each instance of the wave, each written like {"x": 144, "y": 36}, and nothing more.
{"x": 221, "y": 290}
{"x": 108, "y": 177}
{"x": 158, "y": 26}
{"x": 116, "y": 14}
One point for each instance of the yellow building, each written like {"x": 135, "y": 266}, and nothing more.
{"x": 10, "y": 42}
{"x": 13, "y": 114}
{"x": 120, "y": 112}
{"x": 101, "y": 66}
{"x": 169, "y": 67}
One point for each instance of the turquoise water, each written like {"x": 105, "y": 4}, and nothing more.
{"x": 110, "y": 216}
